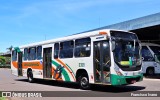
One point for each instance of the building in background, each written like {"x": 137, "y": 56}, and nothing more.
{"x": 147, "y": 28}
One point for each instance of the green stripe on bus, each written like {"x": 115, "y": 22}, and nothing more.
{"x": 121, "y": 80}
{"x": 64, "y": 73}
{"x": 71, "y": 70}
{"x": 55, "y": 63}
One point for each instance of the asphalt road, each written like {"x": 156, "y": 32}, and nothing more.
{"x": 9, "y": 82}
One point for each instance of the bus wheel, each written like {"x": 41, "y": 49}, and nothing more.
{"x": 150, "y": 71}
{"x": 30, "y": 77}
{"x": 84, "y": 82}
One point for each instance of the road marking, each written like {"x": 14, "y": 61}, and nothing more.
{"x": 150, "y": 79}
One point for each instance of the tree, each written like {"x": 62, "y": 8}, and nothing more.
{"x": 2, "y": 60}
{"x": 10, "y": 48}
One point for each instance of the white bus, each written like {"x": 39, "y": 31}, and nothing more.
{"x": 151, "y": 58}
{"x": 110, "y": 57}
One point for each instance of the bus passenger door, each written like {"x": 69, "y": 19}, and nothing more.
{"x": 19, "y": 63}
{"x": 102, "y": 62}
{"x": 47, "y": 62}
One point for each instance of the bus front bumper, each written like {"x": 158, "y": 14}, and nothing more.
{"x": 124, "y": 80}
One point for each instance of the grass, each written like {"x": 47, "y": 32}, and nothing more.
{"x": 3, "y": 98}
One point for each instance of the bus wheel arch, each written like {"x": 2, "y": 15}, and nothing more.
{"x": 30, "y": 75}
{"x": 150, "y": 71}
{"x": 83, "y": 79}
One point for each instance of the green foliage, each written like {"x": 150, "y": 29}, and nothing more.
{"x": 2, "y": 60}
{"x": 2, "y": 98}
{"x": 5, "y": 60}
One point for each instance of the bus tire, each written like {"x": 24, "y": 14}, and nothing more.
{"x": 150, "y": 71}
{"x": 30, "y": 77}
{"x": 84, "y": 82}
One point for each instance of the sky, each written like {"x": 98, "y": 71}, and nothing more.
{"x": 28, "y": 21}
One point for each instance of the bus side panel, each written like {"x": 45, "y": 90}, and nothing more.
{"x": 157, "y": 68}
{"x": 14, "y": 68}
{"x": 146, "y": 64}
{"x": 37, "y": 73}
{"x": 36, "y": 67}
{"x": 62, "y": 69}
{"x": 24, "y": 72}
{"x": 70, "y": 67}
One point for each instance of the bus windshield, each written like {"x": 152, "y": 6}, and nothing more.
{"x": 127, "y": 49}
{"x": 158, "y": 57}
{"x": 127, "y": 53}
{"x": 155, "y": 49}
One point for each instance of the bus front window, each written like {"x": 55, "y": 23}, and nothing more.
{"x": 127, "y": 50}
{"x": 127, "y": 53}
{"x": 157, "y": 57}
{"x": 156, "y": 50}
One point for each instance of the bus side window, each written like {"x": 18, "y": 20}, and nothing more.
{"x": 39, "y": 52}
{"x": 56, "y": 50}
{"x": 32, "y": 53}
{"x": 25, "y": 53}
{"x": 146, "y": 54}
{"x": 66, "y": 49}
{"x": 14, "y": 55}
{"x": 82, "y": 47}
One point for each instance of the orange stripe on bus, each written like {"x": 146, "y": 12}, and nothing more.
{"x": 66, "y": 67}
{"x": 33, "y": 65}
{"x": 15, "y": 64}
{"x": 25, "y": 65}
